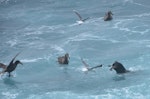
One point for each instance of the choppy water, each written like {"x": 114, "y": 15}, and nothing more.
{"x": 45, "y": 29}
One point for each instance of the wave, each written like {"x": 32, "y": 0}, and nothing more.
{"x": 123, "y": 26}
{"x": 58, "y": 48}
{"x": 141, "y": 15}
{"x": 10, "y": 95}
{"x": 30, "y": 60}
{"x": 12, "y": 43}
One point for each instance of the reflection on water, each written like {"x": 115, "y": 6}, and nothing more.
{"x": 119, "y": 77}
{"x": 10, "y": 82}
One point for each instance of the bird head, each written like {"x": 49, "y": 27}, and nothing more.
{"x": 110, "y": 13}
{"x": 67, "y": 55}
{"x": 18, "y": 62}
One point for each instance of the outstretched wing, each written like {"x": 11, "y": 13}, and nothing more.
{"x": 13, "y": 59}
{"x": 95, "y": 67}
{"x": 85, "y": 64}
{"x": 3, "y": 66}
{"x": 86, "y": 19}
{"x": 78, "y": 14}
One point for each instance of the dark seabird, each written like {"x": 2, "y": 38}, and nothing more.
{"x": 108, "y": 16}
{"x": 89, "y": 68}
{"x": 64, "y": 59}
{"x": 119, "y": 68}
{"x": 80, "y": 18}
{"x": 11, "y": 67}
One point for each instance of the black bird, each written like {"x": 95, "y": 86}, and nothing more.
{"x": 87, "y": 66}
{"x": 108, "y": 16}
{"x": 119, "y": 68}
{"x": 64, "y": 59}
{"x": 11, "y": 67}
{"x": 81, "y": 19}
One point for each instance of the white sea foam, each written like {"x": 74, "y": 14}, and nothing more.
{"x": 34, "y": 33}
{"x": 58, "y": 48}
{"x": 142, "y": 15}
{"x": 4, "y": 1}
{"x": 141, "y": 4}
{"x": 12, "y": 42}
{"x": 83, "y": 36}
{"x": 9, "y": 95}
{"x": 120, "y": 23}
{"x": 123, "y": 26}
{"x": 30, "y": 60}
{"x": 63, "y": 95}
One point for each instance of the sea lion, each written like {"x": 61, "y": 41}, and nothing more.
{"x": 119, "y": 68}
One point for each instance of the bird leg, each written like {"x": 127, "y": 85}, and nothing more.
{"x": 10, "y": 75}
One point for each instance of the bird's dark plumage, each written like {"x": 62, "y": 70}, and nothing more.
{"x": 108, "y": 16}
{"x": 64, "y": 59}
{"x": 12, "y": 65}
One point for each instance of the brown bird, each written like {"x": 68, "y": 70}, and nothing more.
{"x": 64, "y": 59}
{"x": 108, "y": 16}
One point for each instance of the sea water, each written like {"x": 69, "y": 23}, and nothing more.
{"x": 43, "y": 30}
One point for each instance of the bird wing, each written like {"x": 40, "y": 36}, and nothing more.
{"x": 86, "y": 18}
{"x": 61, "y": 59}
{"x": 85, "y": 64}
{"x": 78, "y": 14}
{"x": 13, "y": 59}
{"x": 96, "y": 67}
{"x": 3, "y": 66}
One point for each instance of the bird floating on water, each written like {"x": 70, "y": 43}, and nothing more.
{"x": 81, "y": 20}
{"x": 64, "y": 59}
{"x": 108, "y": 16}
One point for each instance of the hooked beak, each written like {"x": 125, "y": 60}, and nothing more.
{"x": 21, "y": 63}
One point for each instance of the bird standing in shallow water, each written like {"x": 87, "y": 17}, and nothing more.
{"x": 11, "y": 67}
